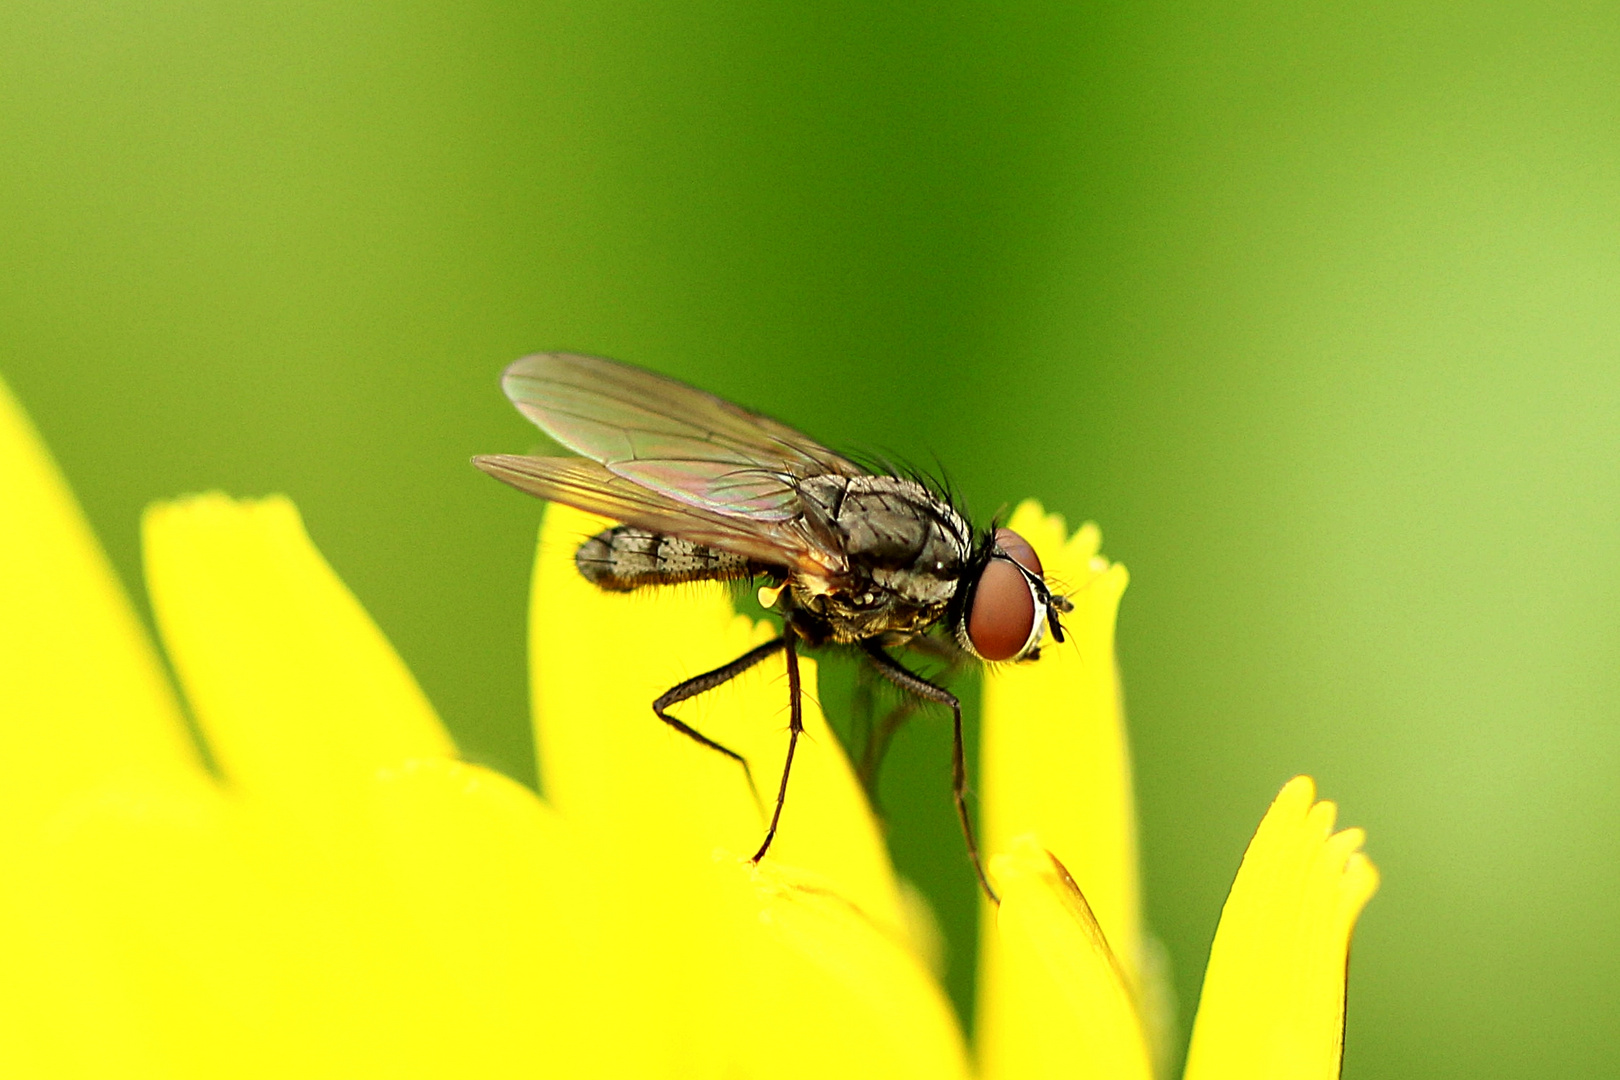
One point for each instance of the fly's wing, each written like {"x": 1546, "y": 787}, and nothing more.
{"x": 669, "y": 437}
{"x": 588, "y": 486}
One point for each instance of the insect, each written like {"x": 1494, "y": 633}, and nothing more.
{"x": 708, "y": 490}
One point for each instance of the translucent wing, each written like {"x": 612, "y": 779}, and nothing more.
{"x": 674, "y": 439}
{"x": 589, "y": 486}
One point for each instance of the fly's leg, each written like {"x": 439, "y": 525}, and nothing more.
{"x": 699, "y": 684}
{"x": 876, "y": 747}
{"x": 880, "y": 733}
{"x": 795, "y": 729}
{"x": 912, "y": 683}
{"x": 864, "y": 727}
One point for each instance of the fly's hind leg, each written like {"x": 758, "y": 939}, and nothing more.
{"x": 795, "y": 729}
{"x": 912, "y": 683}
{"x": 699, "y": 684}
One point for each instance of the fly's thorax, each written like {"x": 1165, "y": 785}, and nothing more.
{"x": 625, "y": 557}
{"x": 905, "y": 550}
{"x": 888, "y": 523}
{"x": 848, "y": 617}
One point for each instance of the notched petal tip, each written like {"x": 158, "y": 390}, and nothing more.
{"x": 1273, "y": 999}
{"x": 1298, "y": 794}
{"x": 212, "y": 519}
{"x": 1361, "y": 880}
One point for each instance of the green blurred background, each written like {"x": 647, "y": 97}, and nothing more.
{"x": 1314, "y": 307}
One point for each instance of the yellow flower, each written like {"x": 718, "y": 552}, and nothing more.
{"x": 336, "y": 895}
{"x": 1066, "y": 982}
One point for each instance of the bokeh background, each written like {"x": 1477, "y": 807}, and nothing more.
{"x": 1314, "y": 307}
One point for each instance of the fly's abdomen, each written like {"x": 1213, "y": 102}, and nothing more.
{"x": 625, "y": 557}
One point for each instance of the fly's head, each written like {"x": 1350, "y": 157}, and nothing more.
{"x": 1005, "y": 608}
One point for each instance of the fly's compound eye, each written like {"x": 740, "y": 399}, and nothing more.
{"x": 1018, "y": 548}
{"x": 1006, "y": 616}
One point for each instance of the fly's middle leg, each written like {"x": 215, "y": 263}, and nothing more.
{"x": 699, "y": 684}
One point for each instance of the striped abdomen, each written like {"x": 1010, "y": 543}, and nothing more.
{"x": 625, "y": 557}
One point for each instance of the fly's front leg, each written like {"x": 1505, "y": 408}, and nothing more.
{"x": 795, "y": 727}
{"x": 912, "y": 683}
{"x": 699, "y": 684}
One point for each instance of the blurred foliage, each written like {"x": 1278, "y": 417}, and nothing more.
{"x": 1313, "y": 307}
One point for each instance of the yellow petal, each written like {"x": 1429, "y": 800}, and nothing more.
{"x": 1273, "y": 998}
{"x": 292, "y": 683}
{"x": 537, "y": 961}
{"x": 608, "y": 763}
{"x": 197, "y": 935}
{"x": 1066, "y": 1007}
{"x": 440, "y": 923}
{"x": 676, "y": 822}
{"x": 175, "y": 926}
{"x": 82, "y": 697}
{"x": 820, "y": 990}
{"x": 1054, "y": 762}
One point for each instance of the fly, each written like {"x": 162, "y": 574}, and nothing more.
{"x": 710, "y": 491}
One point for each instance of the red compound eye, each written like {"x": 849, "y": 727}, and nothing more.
{"x": 1019, "y": 549}
{"x": 1002, "y": 617}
